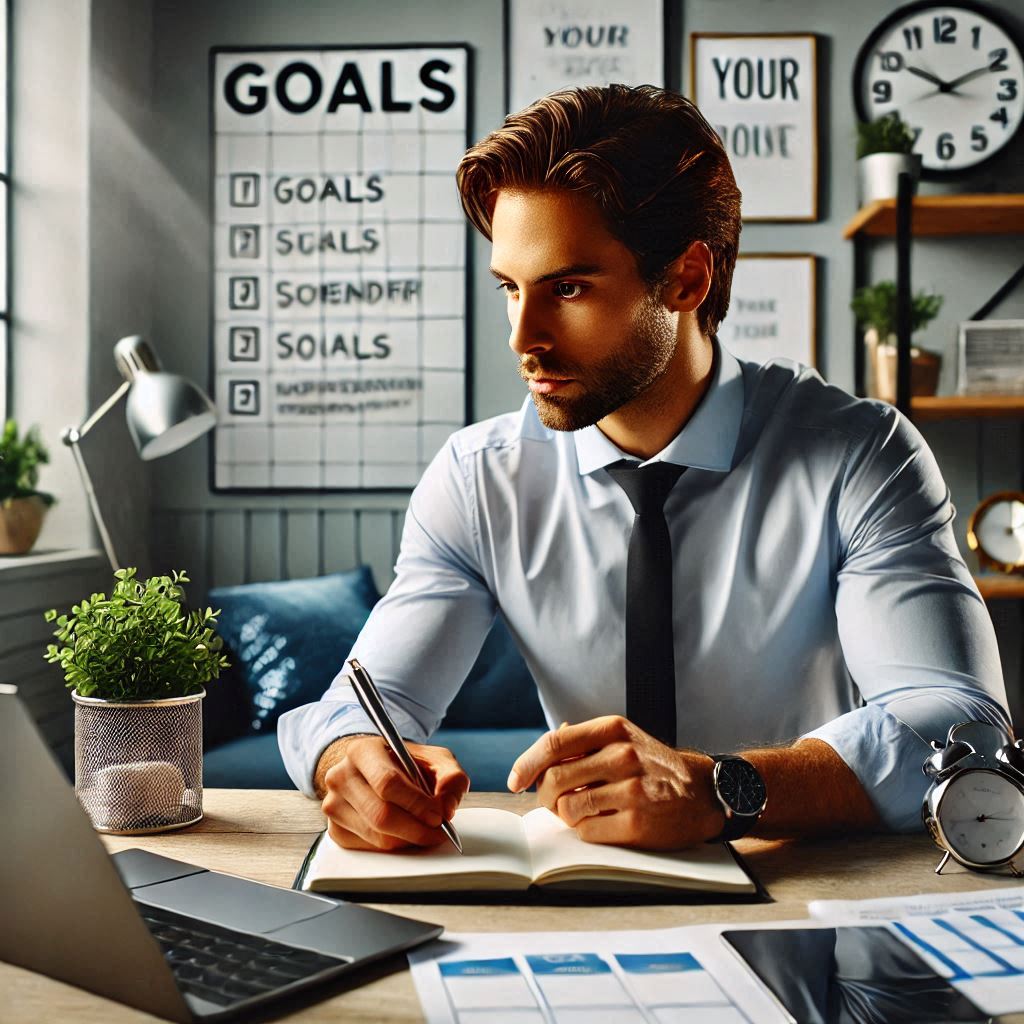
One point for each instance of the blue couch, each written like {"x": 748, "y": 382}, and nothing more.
{"x": 286, "y": 641}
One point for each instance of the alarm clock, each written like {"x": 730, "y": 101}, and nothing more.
{"x": 996, "y": 532}
{"x": 974, "y": 807}
{"x": 953, "y": 72}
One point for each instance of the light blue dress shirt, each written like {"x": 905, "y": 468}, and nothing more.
{"x": 818, "y": 587}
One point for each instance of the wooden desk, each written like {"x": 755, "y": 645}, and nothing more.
{"x": 264, "y": 835}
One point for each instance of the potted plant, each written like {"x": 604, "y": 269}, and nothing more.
{"x": 874, "y": 306}
{"x": 137, "y": 664}
{"x": 885, "y": 148}
{"x": 22, "y": 507}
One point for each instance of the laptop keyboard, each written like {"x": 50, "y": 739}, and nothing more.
{"x": 225, "y": 966}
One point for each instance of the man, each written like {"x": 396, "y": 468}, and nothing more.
{"x": 807, "y": 606}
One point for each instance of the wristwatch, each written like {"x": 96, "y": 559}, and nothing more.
{"x": 741, "y": 792}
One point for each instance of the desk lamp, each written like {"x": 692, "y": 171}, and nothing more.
{"x": 164, "y": 411}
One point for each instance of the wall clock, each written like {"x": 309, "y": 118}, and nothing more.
{"x": 953, "y": 72}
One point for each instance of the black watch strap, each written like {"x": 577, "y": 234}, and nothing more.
{"x": 738, "y": 822}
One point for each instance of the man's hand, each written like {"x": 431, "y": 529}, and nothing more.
{"x": 615, "y": 783}
{"x": 371, "y": 804}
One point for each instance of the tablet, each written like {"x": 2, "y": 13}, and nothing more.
{"x": 852, "y": 975}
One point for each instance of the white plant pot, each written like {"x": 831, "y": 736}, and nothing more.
{"x": 139, "y": 763}
{"x": 878, "y": 175}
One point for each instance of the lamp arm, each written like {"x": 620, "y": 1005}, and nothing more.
{"x": 71, "y": 437}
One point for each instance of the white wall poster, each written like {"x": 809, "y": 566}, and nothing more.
{"x": 556, "y": 44}
{"x": 339, "y": 264}
{"x": 759, "y": 92}
{"x": 772, "y": 308}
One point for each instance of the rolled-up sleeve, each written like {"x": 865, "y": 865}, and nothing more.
{"x": 422, "y": 637}
{"x": 916, "y": 635}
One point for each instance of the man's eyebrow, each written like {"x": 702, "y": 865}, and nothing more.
{"x": 573, "y": 270}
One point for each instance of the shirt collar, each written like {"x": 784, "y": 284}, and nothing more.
{"x": 708, "y": 438}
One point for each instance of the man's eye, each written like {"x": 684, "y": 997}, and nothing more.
{"x": 568, "y": 290}
{"x": 508, "y": 288}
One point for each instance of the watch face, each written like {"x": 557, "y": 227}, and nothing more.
{"x": 998, "y": 531}
{"x": 953, "y": 73}
{"x": 740, "y": 786}
{"x": 981, "y": 817}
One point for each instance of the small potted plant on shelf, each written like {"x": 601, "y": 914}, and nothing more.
{"x": 22, "y": 507}
{"x": 875, "y": 308}
{"x": 137, "y": 664}
{"x": 885, "y": 149}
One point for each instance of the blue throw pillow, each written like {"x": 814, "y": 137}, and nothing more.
{"x": 286, "y": 641}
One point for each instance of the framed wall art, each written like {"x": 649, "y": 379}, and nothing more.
{"x": 339, "y": 341}
{"x": 555, "y": 44}
{"x": 760, "y": 93}
{"x": 772, "y": 308}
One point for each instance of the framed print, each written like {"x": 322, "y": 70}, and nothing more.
{"x": 339, "y": 341}
{"x": 760, "y": 93}
{"x": 556, "y": 44}
{"x": 772, "y": 308}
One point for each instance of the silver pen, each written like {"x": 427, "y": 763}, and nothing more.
{"x": 372, "y": 703}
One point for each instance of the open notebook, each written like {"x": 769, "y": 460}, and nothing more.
{"x": 506, "y": 852}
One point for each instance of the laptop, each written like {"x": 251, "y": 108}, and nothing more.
{"x": 159, "y": 934}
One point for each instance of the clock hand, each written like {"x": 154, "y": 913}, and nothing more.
{"x": 950, "y": 86}
{"x": 928, "y": 77}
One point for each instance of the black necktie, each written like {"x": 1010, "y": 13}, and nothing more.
{"x": 650, "y": 662}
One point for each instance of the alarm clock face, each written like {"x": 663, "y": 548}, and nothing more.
{"x": 953, "y": 73}
{"x": 997, "y": 531}
{"x": 981, "y": 817}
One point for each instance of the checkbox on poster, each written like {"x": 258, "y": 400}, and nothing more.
{"x": 244, "y": 397}
{"x": 245, "y": 190}
{"x": 244, "y": 241}
{"x": 244, "y": 344}
{"x": 244, "y": 293}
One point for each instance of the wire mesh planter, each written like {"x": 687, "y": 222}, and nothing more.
{"x": 139, "y": 763}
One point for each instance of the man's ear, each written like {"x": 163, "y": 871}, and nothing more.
{"x": 688, "y": 278}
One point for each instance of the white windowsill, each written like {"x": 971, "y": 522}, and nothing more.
{"x": 51, "y": 562}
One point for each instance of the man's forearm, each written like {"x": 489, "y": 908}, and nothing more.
{"x": 811, "y": 791}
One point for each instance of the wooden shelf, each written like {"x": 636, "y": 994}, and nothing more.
{"x": 949, "y": 407}
{"x": 995, "y": 588}
{"x": 995, "y": 214}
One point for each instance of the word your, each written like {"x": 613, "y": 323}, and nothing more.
{"x": 308, "y": 346}
{"x": 298, "y": 87}
{"x": 757, "y": 140}
{"x": 287, "y": 241}
{"x": 573, "y": 36}
{"x": 334, "y": 293}
{"x": 308, "y": 190}
{"x": 773, "y": 79}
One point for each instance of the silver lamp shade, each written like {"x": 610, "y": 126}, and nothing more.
{"x": 164, "y": 411}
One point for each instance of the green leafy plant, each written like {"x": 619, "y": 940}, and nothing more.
{"x": 874, "y": 305}
{"x": 20, "y": 459}
{"x": 888, "y": 134}
{"x": 141, "y": 643}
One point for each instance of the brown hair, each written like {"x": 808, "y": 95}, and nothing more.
{"x": 648, "y": 158}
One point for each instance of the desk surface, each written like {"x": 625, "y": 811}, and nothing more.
{"x": 264, "y": 834}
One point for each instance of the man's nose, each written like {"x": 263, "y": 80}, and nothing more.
{"x": 529, "y": 335}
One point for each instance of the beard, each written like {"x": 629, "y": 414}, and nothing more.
{"x": 614, "y": 382}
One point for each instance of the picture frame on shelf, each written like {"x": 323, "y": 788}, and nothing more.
{"x": 773, "y": 308}
{"x": 759, "y": 91}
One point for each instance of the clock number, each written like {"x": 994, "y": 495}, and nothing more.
{"x": 1009, "y": 90}
{"x": 998, "y": 59}
{"x": 979, "y": 140}
{"x": 944, "y": 29}
{"x": 944, "y": 148}
{"x": 912, "y": 38}
{"x": 976, "y": 36}
{"x": 891, "y": 60}
{"x": 916, "y": 132}
{"x": 882, "y": 91}
{"x": 999, "y": 116}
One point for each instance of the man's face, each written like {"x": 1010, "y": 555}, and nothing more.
{"x": 590, "y": 336}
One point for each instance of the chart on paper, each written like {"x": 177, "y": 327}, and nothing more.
{"x": 580, "y": 987}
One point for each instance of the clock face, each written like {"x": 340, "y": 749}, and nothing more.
{"x": 981, "y": 816}
{"x": 997, "y": 531}
{"x": 954, "y": 75}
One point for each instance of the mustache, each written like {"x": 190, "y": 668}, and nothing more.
{"x": 531, "y": 366}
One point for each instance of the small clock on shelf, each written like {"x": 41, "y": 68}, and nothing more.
{"x": 996, "y": 532}
{"x": 953, "y": 72}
